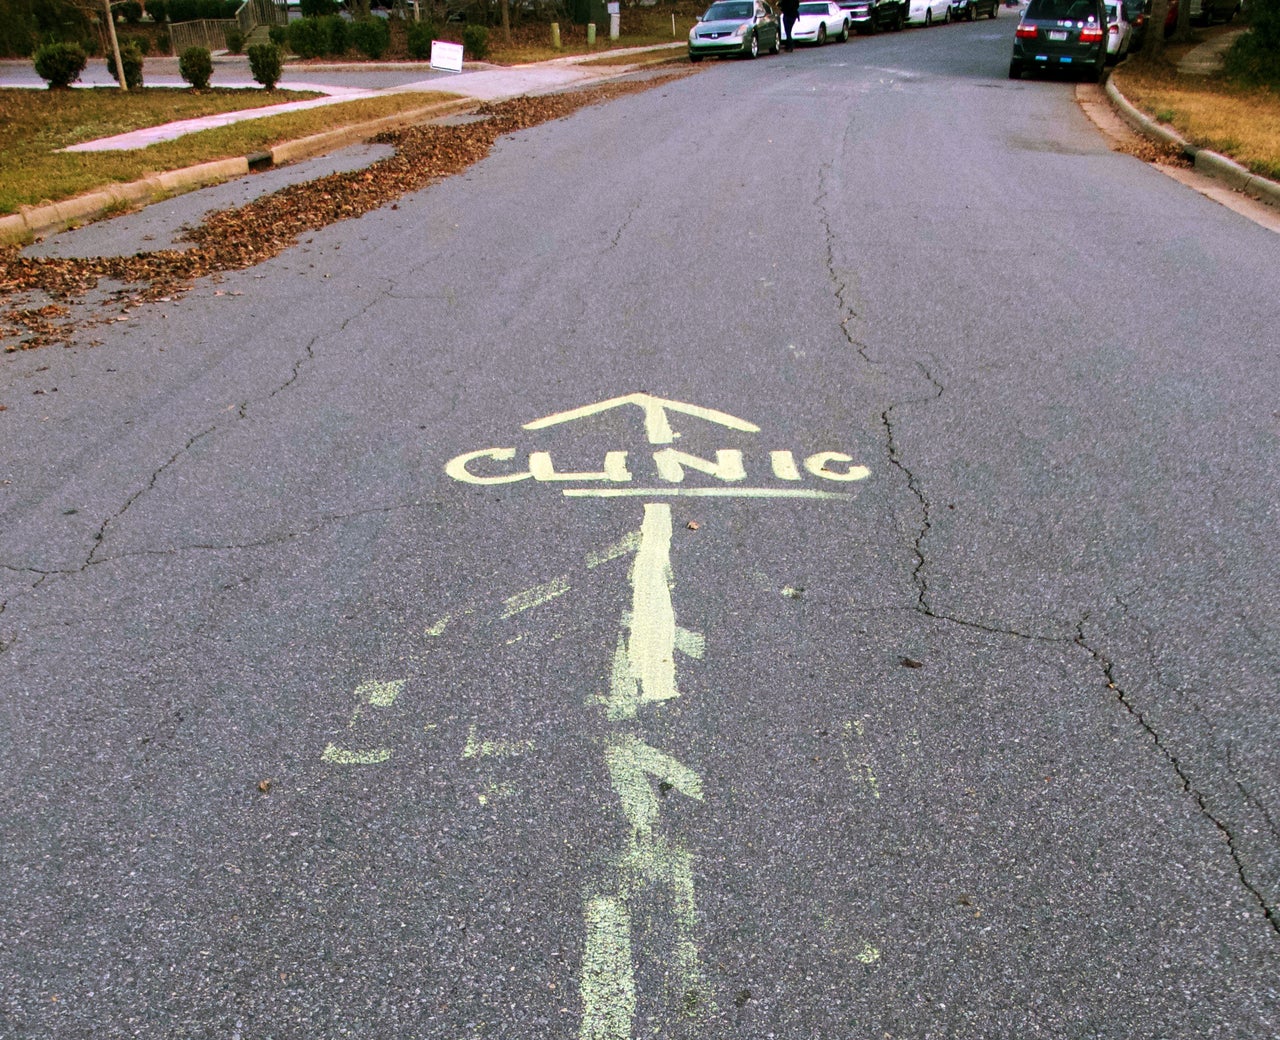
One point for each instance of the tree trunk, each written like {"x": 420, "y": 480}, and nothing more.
{"x": 1154, "y": 47}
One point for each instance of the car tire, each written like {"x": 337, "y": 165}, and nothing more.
{"x": 900, "y": 22}
{"x": 1015, "y": 70}
{"x": 946, "y": 15}
{"x": 995, "y": 8}
{"x": 822, "y": 35}
{"x": 753, "y": 48}
{"x": 776, "y": 46}
{"x": 844, "y": 32}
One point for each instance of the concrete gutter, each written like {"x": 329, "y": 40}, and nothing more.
{"x": 1207, "y": 162}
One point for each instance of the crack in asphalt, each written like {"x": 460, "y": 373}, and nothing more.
{"x": 1272, "y": 914}
{"x": 918, "y": 576}
{"x": 309, "y": 528}
{"x": 843, "y": 290}
{"x": 920, "y": 580}
{"x": 101, "y": 533}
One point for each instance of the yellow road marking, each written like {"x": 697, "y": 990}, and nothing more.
{"x": 533, "y": 597}
{"x": 705, "y": 492}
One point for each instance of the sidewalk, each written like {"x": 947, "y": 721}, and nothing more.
{"x": 476, "y": 84}
{"x": 1206, "y": 59}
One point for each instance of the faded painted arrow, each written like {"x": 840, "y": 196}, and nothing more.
{"x": 655, "y": 416}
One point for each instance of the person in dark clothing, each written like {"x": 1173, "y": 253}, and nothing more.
{"x": 790, "y": 12}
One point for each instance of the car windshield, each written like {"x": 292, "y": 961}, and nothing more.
{"x": 1111, "y": 13}
{"x": 728, "y": 13}
{"x": 1061, "y": 10}
{"x": 813, "y": 8}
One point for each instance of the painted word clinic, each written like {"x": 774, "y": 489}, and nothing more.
{"x": 489, "y": 466}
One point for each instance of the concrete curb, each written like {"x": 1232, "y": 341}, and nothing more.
{"x": 32, "y": 221}
{"x": 1209, "y": 163}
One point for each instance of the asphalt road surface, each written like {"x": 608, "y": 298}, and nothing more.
{"x": 911, "y": 675}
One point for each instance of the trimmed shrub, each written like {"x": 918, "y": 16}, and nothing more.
{"x": 339, "y": 33}
{"x": 159, "y": 10}
{"x": 235, "y": 41}
{"x": 371, "y": 37}
{"x": 1254, "y": 58}
{"x": 143, "y": 43}
{"x": 265, "y": 64}
{"x": 195, "y": 65}
{"x": 131, "y": 59}
{"x": 317, "y": 8}
{"x": 60, "y": 64}
{"x": 418, "y": 39}
{"x": 278, "y": 35}
{"x": 475, "y": 41}
{"x": 307, "y": 38}
{"x": 131, "y": 12}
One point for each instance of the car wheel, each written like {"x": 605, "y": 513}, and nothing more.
{"x": 946, "y": 15}
{"x": 753, "y": 48}
{"x": 776, "y": 45}
{"x": 822, "y": 35}
{"x": 900, "y": 22}
{"x": 1015, "y": 70}
{"x": 844, "y": 32}
{"x": 995, "y": 8}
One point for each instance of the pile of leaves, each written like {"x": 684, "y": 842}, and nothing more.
{"x": 37, "y": 294}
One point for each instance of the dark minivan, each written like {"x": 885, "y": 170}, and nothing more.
{"x": 1070, "y": 35}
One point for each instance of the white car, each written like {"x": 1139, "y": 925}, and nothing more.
{"x": 926, "y": 12}
{"x": 820, "y": 21}
{"x": 1119, "y": 33}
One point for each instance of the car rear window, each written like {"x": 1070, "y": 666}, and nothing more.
{"x": 725, "y": 12}
{"x": 813, "y": 8}
{"x": 1062, "y": 10}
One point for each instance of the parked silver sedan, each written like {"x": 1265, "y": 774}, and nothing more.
{"x": 744, "y": 27}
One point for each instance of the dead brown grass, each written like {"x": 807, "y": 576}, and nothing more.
{"x": 1238, "y": 122}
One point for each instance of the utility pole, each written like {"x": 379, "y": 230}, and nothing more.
{"x": 115, "y": 46}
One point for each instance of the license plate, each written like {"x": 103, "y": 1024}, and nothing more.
{"x": 1055, "y": 35}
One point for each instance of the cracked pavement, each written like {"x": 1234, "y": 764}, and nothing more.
{"x": 987, "y": 749}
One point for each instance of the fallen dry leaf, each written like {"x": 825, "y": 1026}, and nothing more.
{"x": 234, "y": 239}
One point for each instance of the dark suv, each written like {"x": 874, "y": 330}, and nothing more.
{"x": 1070, "y": 35}
{"x": 868, "y": 16}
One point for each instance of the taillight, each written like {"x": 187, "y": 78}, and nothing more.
{"x": 1090, "y": 33}
{"x": 1026, "y": 32}
{"x": 1113, "y": 29}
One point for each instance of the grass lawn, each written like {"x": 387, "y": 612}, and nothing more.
{"x": 35, "y": 124}
{"x": 1209, "y": 111}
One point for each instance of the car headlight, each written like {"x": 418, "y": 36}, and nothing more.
{"x": 743, "y": 29}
